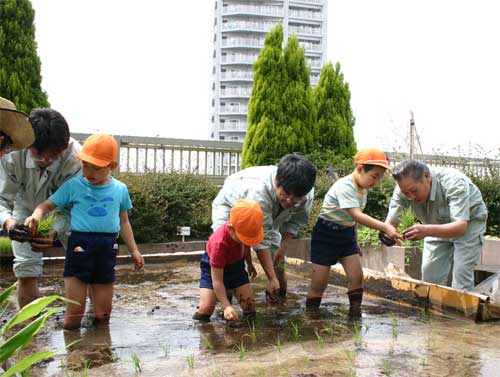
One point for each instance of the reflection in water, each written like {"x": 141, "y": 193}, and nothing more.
{"x": 152, "y": 318}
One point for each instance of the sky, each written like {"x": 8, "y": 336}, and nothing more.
{"x": 144, "y": 68}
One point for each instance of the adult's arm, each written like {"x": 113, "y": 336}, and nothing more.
{"x": 450, "y": 230}
{"x": 10, "y": 178}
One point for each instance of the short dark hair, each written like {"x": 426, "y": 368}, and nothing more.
{"x": 296, "y": 174}
{"x": 410, "y": 168}
{"x": 51, "y": 130}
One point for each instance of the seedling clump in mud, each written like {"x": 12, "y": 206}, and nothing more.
{"x": 20, "y": 232}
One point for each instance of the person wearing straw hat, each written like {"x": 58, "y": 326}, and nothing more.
{"x": 223, "y": 264}
{"x": 27, "y": 178}
{"x": 16, "y": 131}
{"x": 334, "y": 237}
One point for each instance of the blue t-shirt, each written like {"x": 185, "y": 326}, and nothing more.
{"x": 93, "y": 208}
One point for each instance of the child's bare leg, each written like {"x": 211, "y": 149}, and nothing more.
{"x": 354, "y": 273}
{"x": 102, "y": 301}
{"x": 246, "y": 299}
{"x": 319, "y": 282}
{"x": 76, "y": 290}
{"x": 206, "y": 306}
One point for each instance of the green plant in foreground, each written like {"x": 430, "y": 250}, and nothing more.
{"x": 252, "y": 333}
{"x": 13, "y": 345}
{"x": 394, "y": 326}
{"x": 242, "y": 350}
{"x": 5, "y": 245}
{"x": 321, "y": 343}
{"x": 207, "y": 342}
{"x": 166, "y": 349}
{"x": 46, "y": 225}
{"x": 295, "y": 331}
{"x": 357, "y": 336}
{"x": 278, "y": 343}
{"x": 190, "y": 361}
{"x": 137, "y": 363}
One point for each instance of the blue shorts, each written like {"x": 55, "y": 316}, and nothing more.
{"x": 235, "y": 275}
{"x": 91, "y": 257}
{"x": 331, "y": 242}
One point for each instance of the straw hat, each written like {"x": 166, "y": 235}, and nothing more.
{"x": 16, "y": 125}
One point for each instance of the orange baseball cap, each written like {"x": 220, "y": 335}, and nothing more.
{"x": 372, "y": 156}
{"x": 247, "y": 217}
{"x": 100, "y": 150}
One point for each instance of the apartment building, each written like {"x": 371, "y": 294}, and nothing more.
{"x": 240, "y": 27}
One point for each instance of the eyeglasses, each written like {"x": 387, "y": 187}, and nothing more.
{"x": 47, "y": 157}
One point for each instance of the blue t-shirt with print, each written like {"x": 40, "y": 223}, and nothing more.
{"x": 93, "y": 208}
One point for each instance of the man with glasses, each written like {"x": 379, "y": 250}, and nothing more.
{"x": 27, "y": 178}
{"x": 285, "y": 193}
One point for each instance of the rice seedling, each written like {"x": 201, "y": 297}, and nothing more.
{"x": 357, "y": 336}
{"x": 391, "y": 348}
{"x": 295, "y": 331}
{"x": 278, "y": 343}
{"x": 5, "y": 245}
{"x": 321, "y": 343}
{"x": 190, "y": 361}
{"x": 307, "y": 361}
{"x": 166, "y": 349}
{"x": 45, "y": 225}
{"x": 394, "y": 327}
{"x": 242, "y": 350}
{"x": 207, "y": 342}
{"x": 423, "y": 362}
{"x": 261, "y": 372}
{"x": 385, "y": 365}
{"x": 252, "y": 333}
{"x": 137, "y": 363}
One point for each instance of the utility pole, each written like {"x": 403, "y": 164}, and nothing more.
{"x": 412, "y": 138}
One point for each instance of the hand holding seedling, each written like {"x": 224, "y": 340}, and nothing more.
{"x": 416, "y": 232}
{"x": 230, "y": 313}
{"x": 32, "y": 223}
{"x": 41, "y": 244}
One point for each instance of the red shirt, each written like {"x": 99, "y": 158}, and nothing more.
{"x": 223, "y": 250}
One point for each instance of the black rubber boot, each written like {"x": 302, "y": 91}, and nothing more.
{"x": 355, "y": 299}
{"x": 313, "y": 302}
{"x": 201, "y": 317}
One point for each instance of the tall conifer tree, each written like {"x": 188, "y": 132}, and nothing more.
{"x": 265, "y": 109}
{"x": 335, "y": 120}
{"x": 20, "y": 79}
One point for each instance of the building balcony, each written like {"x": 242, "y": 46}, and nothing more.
{"x": 314, "y": 63}
{"x": 238, "y": 59}
{"x": 234, "y": 109}
{"x": 314, "y": 80}
{"x": 304, "y": 14}
{"x": 243, "y": 42}
{"x": 253, "y": 9}
{"x": 248, "y": 26}
{"x": 305, "y": 30}
{"x": 236, "y": 92}
{"x": 233, "y": 127}
{"x": 306, "y": 1}
{"x": 237, "y": 76}
{"x": 309, "y": 46}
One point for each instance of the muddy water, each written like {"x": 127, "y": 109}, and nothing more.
{"x": 152, "y": 319}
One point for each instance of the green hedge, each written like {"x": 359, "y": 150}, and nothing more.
{"x": 164, "y": 201}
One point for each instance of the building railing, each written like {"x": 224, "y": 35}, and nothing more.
{"x": 237, "y": 75}
{"x": 235, "y": 109}
{"x": 262, "y": 9}
{"x": 233, "y": 126}
{"x": 244, "y": 92}
{"x": 238, "y": 58}
{"x": 302, "y": 29}
{"x": 308, "y": 14}
{"x": 215, "y": 159}
{"x": 248, "y": 25}
{"x": 254, "y": 42}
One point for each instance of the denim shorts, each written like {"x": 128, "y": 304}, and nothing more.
{"x": 235, "y": 274}
{"x": 91, "y": 257}
{"x": 331, "y": 242}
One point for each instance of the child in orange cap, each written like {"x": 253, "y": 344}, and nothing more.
{"x": 334, "y": 235}
{"x": 223, "y": 264}
{"x": 99, "y": 205}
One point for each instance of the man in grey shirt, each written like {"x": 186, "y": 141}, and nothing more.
{"x": 27, "y": 178}
{"x": 285, "y": 194}
{"x": 453, "y": 214}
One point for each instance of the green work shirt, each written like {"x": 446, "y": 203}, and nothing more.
{"x": 258, "y": 183}
{"x": 453, "y": 197}
{"x": 23, "y": 185}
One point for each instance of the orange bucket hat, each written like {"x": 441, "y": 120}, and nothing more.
{"x": 100, "y": 150}
{"x": 372, "y": 156}
{"x": 247, "y": 217}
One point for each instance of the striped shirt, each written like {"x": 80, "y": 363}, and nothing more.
{"x": 345, "y": 193}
